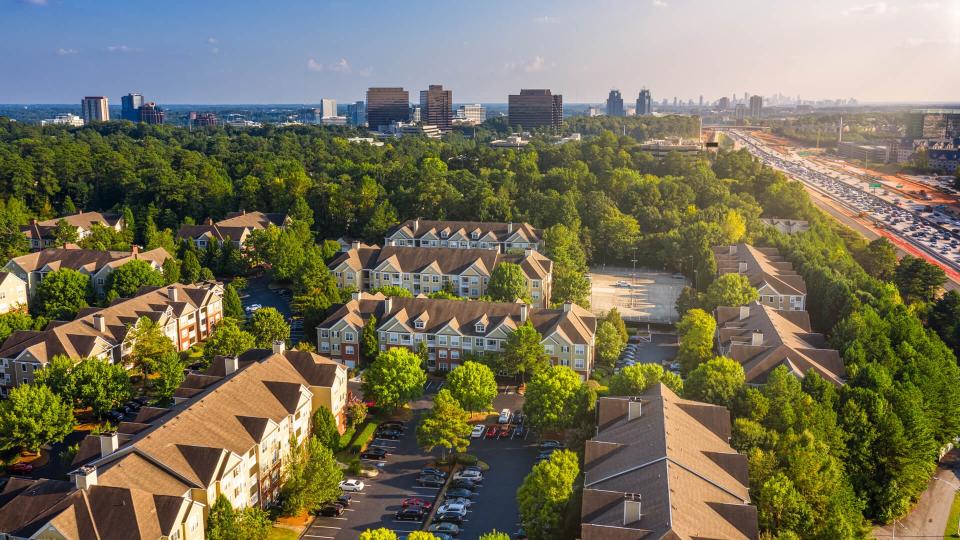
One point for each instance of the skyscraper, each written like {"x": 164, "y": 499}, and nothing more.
{"x": 328, "y": 108}
{"x": 615, "y": 104}
{"x": 387, "y": 105}
{"x": 95, "y": 109}
{"x": 357, "y": 113}
{"x": 531, "y": 109}
{"x": 741, "y": 112}
{"x": 756, "y": 107}
{"x": 129, "y": 105}
{"x": 436, "y": 107}
{"x": 644, "y": 103}
{"x": 151, "y": 114}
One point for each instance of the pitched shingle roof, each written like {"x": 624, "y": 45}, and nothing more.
{"x": 671, "y": 456}
{"x": 764, "y": 265}
{"x": 443, "y": 260}
{"x": 234, "y": 226}
{"x": 87, "y": 260}
{"x": 782, "y": 338}
{"x": 85, "y": 220}
{"x": 496, "y": 231}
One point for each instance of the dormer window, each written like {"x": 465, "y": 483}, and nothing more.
{"x": 444, "y": 234}
{"x": 418, "y": 324}
{"x": 475, "y": 235}
{"x": 481, "y": 328}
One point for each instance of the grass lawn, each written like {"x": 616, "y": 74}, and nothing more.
{"x": 951, "y": 530}
{"x": 280, "y": 533}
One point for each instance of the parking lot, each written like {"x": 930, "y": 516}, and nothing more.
{"x": 647, "y": 296}
{"x": 660, "y": 349}
{"x": 494, "y": 505}
{"x": 258, "y": 293}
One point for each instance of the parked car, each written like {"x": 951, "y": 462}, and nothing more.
{"x": 392, "y": 424}
{"x": 449, "y": 517}
{"x": 474, "y": 475}
{"x": 344, "y": 500}
{"x": 504, "y": 416}
{"x": 622, "y": 283}
{"x": 477, "y": 431}
{"x": 505, "y": 431}
{"x": 434, "y": 471}
{"x": 448, "y": 508}
{"x": 114, "y": 416}
{"x": 374, "y": 453}
{"x": 459, "y": 500}
{"x": 430, "y": 480}
{"x": 411, "y": 513}
{"x": 390, "y": 434}
{"x": 519, "y": 431}
{"x": 473, "y": 468}
{"x": 492, "y": 432}
{"x": 416, "y": 501}
{"x": 352, "y": 485}
{"x": 142, "y": 400}
{"x": 550, "y": 443}
{"x": 464, "y": 483}
{"x": 331, "y": 510}
{"x": 444, "y": 528}
{"x": 520, "y": 534}
{"x": 20, "y": 468}
{"x": 460, "y": 493}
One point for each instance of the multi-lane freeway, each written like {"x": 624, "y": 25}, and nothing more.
{"x": 933, "y": 233}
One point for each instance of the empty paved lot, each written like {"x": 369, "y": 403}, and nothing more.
{"x": 651, "y": 297}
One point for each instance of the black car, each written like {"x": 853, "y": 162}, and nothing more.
{"x": 392, "y": 424}
{"x": 431, "y": 480}
{"x": 114, "y": 416}
{"x": 551, "y": 445}
{"x": 391, "y": 434}
{"x": 142, "y": 400}
{"x": 331, "y": 510}
{"x": 344, "y": 500}
{"x": 434, "y": 471}
{"x": 460, "y": 493}
{"x": 449, "y": 517}
{"x": 464, "y": 483}
{"x": 519, "y": 431}
{"x": 373, "y": 453}
{"x": 133, "y": 405}
{"x": 410, "y": 513}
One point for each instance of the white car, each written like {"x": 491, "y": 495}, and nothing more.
{"x": 478, "y": 431}
{"x": 452, "y": 508}
{"x": 476, "y": 476}
{"x": 253, "y": 307}
{"x": 622, "y": 283}
{"x": 504, "y": 416}
{"x": 352, "y": 485}
{"x": 459, "y": 500}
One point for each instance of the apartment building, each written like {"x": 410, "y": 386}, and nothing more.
{"x": 779, "y": 285}
{"x": 236, "y": 227}
{"x": 502, "y": 237}
{"x": 454, "y": 329}
{"x": 57, "y": 509}
{"x": 41, "y": 233}
{"x": 423, "y": 270}
{"x": 97, "y": 264}
{"x": 762, "y": 338}
{"x": 13, "y": 293}
{"x": 787, "y": 226}
{"x": 186, "y": 313}
{"x": 661, "y": 467}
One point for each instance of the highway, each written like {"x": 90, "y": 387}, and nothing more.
{"x": 933, "y": 234}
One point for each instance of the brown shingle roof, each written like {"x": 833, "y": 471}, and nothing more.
{"x": 417, "y": 228}
{"x": 444, "y": 260}
{"x": 672, "y": 456}
{"x": 764, "y": 265}
{"x": 234, "y": 226}
{"x": 85, "y": 220}
{"x": 88, "y": 260}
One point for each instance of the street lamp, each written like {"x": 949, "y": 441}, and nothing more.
{"x": 956, "y": 488}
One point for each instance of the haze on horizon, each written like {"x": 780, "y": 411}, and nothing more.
{"x": 241, "y": 51}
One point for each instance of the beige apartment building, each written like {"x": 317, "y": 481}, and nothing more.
{"x": 455, "y": 329}
{"x": 13, "y": 293}
{"x": 186, "y": 313}
{"x": 32, "y": 267}
{"x": 236, "y": 227}
{"x": 42, "y": 233}
{"x": 779, "y": 285}
{"x": 498, "y": 236}
{"x": 423, "y": 270}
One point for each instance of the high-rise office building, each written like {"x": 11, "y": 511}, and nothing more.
{"x": 386, "y": 106}
{"x": 201, "y": 119}
{"x": 644, "y": 103}
{"x": 436, "y": 107}
{"x": 724, "y": 103}
{"x": 535, "y": 108}
{"x": 414, "y": 113}
{"x": 129, "y": 105}
{"x": 756, "y": 107}
{"x": 615, "y": 104}
{"x": 701, "y": 100}
{"x": 933, "y": 124}
{"x": 95, "y": 109}
{"x": 741, "y": 113}
{"x": 328, "y": 108}
{"x": 151, "y": 114}
{"x": 471, "y": 114}
{"x": 357, "y": 113}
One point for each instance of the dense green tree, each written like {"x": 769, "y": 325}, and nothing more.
{"x": 221, "y": 521}
{"x": 393, "y": 290}
{"x": 312, "y": 477}
{"x": 170, "y": 375}
{"x": 13, "y": 321}
{"x": 523, "y": 353}
{"x": 729, "y": 290}
{"x": 325, "y": 429}
{"x": 394, "y": 378}
{"x": 636, "y": 379}
{"x": 609, "y": 344}
{"x": 190, "y": 270}
{"x": 268, "y": 325}
{"x": 918, "y": 280}
{"x": 545, "y": 494}
{"x": 369, "y": 341}
{"x": 100, "y": 385}
{"x": 696, "y": 330}
{"x": 58, "y": 375}
{"x": 382, "y": 533}
{"x": 508, "y": 283}
{"x": 227, "y": 339}
{"x": 495, "y": 535}
{"x": 565, "y": 249}
{"x": 32, "y": 416}
{"x": 944, "y": 319}
{"x": 356, "y": 413}
{"x": 445, "y": 425}
{"x": 150, "y": 345}
{"x": 65, "y": 233}
{"x": 126, "y": 280}
{"x": 61, "y": 294}
{"x": 104, "y": 238}
{"x": 715, "y": 381}
{"x": 232, "y": 306}
{"x": 473, "y": 385}
{"x": 550, "y": 398}
{"x": 879, "y": 259}
{"x": 171, "y": 271}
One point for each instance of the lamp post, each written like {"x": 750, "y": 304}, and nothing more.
{"x": 956, "y": 488}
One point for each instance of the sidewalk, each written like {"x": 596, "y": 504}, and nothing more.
{"x": 929, "y": 517}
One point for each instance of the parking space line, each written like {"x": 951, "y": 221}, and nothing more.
{"x": 326, "y": 527}
{"x": 315, "y": 536}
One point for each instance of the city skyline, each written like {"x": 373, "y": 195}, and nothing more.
{"x": 874, "y": 52}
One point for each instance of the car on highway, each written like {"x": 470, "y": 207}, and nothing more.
{"x": 477, "y": 431}
{"x": 352, "y": 485}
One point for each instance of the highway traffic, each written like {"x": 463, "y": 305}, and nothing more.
{"x": 922, "y": 226}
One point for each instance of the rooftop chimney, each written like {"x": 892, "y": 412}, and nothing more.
{"x": 634, "y": 408}
{"x": 567, "y": 306}
{"x": 279, "y": 346}
{"x": 733, "y": 249}
{"x": 510, "y": 228}
{"x": 741, "y": 267}
{"x": 631, "y": 508}
{"x": 172, "y": 293}
{"x": 387, "y": 305}
{"x": 209, "y": 221}
{"x": 355, "y": 246}
{"x": 109, "y": 443}
{"x": 99, "y": 323}
{"x": 357, "y": 295}
{"x": 523, "y": 312}
{"x": 85, "y": 477}
{"x": 744, "y": 312}
{"x": 416, "y": 224}
{"x": 230, "y": 364}
{"x": 528, "y": 253}
{"x": 756, "y": 338}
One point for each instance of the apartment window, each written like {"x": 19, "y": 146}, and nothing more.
{"x": 444, "y": 234}
{"x": 324, "y": 333}
{"x": 467, "y": 343}
{"x": 348, "y": 349}
{"x": 442, "y": 353}
{"x": 393, "y": 337}
{"x": 431, "y": 338}
{"x": 338, "y": 274}
{"x": 548, "y": 349}
{"x": 579, "y": 350}
{"x": 536, "y": 284}
{"x": 348, "y": 336}
{"x": 481, "y": 328}
{"x": 474, "y": 235}
{"x": 325, "y": 346}
{"x": 336, "y": 334}
{"x": 436, "y": 279}
{"x": 418, "y": 324}
{"x": 336, "y": 347}
{"x": 442, "y": 340}
{"x": 99, "y": 281}
{"x": 564, "y": 348}
{"x": 433, "y": 243}
{"x": 492, "y": 344}
{"x": 454, "y": 341}
{"x": 454, "y": 354}
{"x": 578, "y": 363}
{"x": 405, "y": 338}
{"x": 478, "y": 342}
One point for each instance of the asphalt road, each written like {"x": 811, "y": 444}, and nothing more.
{"x": 259, "y": 292}
{"x": 928, "y": 519}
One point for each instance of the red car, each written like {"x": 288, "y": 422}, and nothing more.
{"x": 505, "y": 430}
{"x": 20, "y": 468}
{"x": 416, "y": 501}
{"x": 492, "y": 431}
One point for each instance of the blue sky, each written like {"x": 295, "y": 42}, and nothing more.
{"x": 292, "y": 51}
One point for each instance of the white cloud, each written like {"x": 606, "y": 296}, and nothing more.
{"x": 313, "y": 65}
{"x": 659, "y": 3}
{"x": 66, "y": 52}
{"x": 121, "y": 49}
{"x": 212, "y": 40}
{"x": 545, "y": 19}
{"x": 875, "y": 9}
{"x": 341, "y": 66}
{"x": 537, "y": 64}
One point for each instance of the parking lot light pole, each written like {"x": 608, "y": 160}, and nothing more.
{"x": 956, "y": 489}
